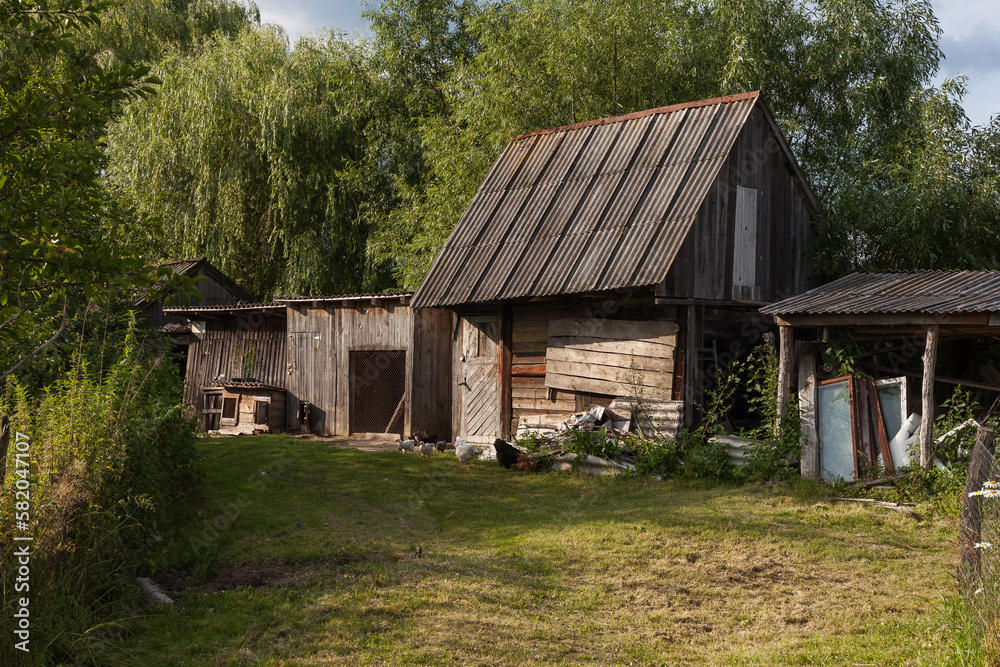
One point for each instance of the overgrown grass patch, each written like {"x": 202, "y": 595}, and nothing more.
{"x": 334, "y": 556}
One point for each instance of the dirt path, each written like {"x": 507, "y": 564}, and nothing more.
{"x": 371, "y": 444}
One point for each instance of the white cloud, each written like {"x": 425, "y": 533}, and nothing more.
{"x": 971, "y": 46}
{"x": 977, "y": 52}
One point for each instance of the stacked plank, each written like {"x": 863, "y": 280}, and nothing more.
{"x": 533, "y": 403}
{"x": 611, "y": 357}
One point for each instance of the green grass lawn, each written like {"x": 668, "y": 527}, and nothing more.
{"x": 309, "y": 555}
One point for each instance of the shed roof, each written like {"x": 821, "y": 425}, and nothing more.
{"x": 591, "y": 206}
{"x": 225, "y": 308}
{"x": 361, "y": 296}
{"x": 928, "y": 292}
{"x": 190, "y": 267}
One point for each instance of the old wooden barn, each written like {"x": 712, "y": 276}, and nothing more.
{"x": 620, "y": 256}
{"x": 369, "y": 363}
{"x": 332, "y": 365}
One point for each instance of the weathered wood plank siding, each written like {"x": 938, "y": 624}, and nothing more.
{"x": 432, "y": 386}
{"x": 529, "y": 339}
{"x": 704, "y": 268}
{"x": 321, "y": 336}
{"x": 532, "y": 401}
{"x": 628, "y": 355}
{"x": 234, "y": 347}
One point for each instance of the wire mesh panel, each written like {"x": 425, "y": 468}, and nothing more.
{"x": 378, "y": 391}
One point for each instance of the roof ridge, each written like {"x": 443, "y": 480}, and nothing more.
{"x": 641, "y": 114}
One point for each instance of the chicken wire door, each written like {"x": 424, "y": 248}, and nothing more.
{"x": 480, "y": 389}
{"x": 378, "y": 391}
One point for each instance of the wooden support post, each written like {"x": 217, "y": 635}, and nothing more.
{"x": 691, "y": 364}
{"x": 807, "y": 411}
{"x": 785, "y": 361}
{"x": 506, "y": 343}
{"x": 395, "y": 415}
{"x": 982, "y": 467}
{"x": 927, "y": 400}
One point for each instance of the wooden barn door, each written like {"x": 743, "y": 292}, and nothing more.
{"x": 480, "y": 388}
{"x": 301, "y": 378}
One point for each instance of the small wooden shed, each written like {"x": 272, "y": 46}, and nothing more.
{"x": 620, "y": 256}
{"x": 243, "y": 407}
{"x": 245, "y": 341}
{"x": 905, "y": 314}
{"x": 368, "y": 363}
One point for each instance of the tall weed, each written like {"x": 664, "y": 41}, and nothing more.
{"x": 111, "y": 454}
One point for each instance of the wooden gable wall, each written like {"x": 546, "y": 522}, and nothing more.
{"x": 704, "y": 267}
{"x": 211, "y": 292}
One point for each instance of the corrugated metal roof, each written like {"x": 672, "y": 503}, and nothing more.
{"x": 388, "y": 294}
{"x": 174, "y": 310}
{"x": 934, "y": 292}
{"x": 245, "y": 383}
{"x": 182, "y": 266}
{"x": 591, "y": 206}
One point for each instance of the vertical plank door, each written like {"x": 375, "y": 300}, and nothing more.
{"x": 480, "y": 388}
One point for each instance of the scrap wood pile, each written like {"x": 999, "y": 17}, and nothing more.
{"x": 549, "y": 449}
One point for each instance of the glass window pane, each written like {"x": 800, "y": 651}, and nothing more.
{"x": 836, "y": 452}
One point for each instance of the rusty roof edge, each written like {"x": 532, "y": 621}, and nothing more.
{"x": 640, "y": 114}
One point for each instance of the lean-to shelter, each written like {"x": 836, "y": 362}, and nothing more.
{"x": 906, "y": 314}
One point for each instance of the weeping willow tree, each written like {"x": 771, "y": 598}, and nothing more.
{"x": 144, "y": 31}
{"x": 254, "y": 156}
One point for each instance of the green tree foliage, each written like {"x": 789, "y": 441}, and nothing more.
{"x": 137, "y": 32}
{"x": 55, "y": 252}
{"x": 345, "y": 164}
{"x": 112, "y": 468}
{"x": 254, "y": 156}
{"x": 933, "y": 197}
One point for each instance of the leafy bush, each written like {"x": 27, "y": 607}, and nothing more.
{"x": 591, "y": 443}
{"x": 111, "y": 454}
{"x": 776, "y": 447}
{"x": 654, "y": 456}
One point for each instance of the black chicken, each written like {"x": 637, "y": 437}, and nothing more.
{"x": 506, "y": 454}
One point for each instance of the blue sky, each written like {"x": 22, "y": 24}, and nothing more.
{"x": 971, "y": 41}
